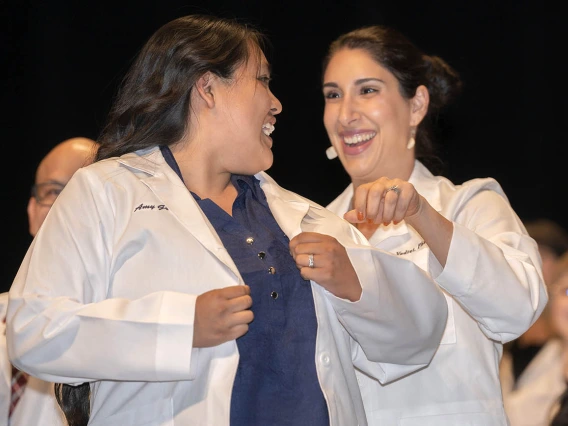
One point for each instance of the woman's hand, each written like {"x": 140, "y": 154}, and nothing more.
{"x": 330, "y": 265}
{"x": 221, "y": 315}
{"x": 393, "y": 200}
{"x": 384, "y": 201}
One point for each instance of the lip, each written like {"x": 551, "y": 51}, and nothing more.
{"x": 357, "y": 148}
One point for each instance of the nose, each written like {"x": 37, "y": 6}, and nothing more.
{"x": 347, "y": 112}
{"x": 276, "y": 107}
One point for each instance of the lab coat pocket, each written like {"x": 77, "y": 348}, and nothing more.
{"x": 461, "y": 419}
{"x": 159, "y": 413}
{"x": 449, "y": 336}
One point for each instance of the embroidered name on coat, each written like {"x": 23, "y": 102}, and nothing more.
{"x": 412, "y": 250}
{"x": 151, "y": 207}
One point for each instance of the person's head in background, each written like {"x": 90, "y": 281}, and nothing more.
{"x": 382, "y": 96}
{"x": 558, "y": 314}
{"x": 558, "y": 304}
{"x": 53, "y": 173}
{"x": 552, "y": 240}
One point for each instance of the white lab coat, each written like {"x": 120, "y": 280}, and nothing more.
{"x": 494, "y": 289}
{"x": 37, "y": 405}
{"x": 106, "y": 293}
{"x": 531, "y": 402}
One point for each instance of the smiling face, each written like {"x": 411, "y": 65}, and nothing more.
{"x": 247, "y": 113}
{"x": 367, "y": 120}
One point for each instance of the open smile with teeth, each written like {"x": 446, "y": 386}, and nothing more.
{"x": 267, "y": 129}
{"x": 356, "y": 139}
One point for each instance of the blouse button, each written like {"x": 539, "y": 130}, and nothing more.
{"x": 250, "y": 240}
{"x": 274, "y": 295}
{"x": 261, "y": 255}
{"x": 272, "y": 270}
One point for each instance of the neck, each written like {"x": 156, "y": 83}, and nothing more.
{"x": 203, "y": 177}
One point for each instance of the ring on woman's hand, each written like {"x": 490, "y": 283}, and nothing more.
{"x": 394, "y": 188}
{"x": 311, "y": 261}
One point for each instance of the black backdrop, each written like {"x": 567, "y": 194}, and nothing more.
{"x": 63, "y": 59}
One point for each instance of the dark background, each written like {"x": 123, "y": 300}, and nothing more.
{"x": 61, "y": 62}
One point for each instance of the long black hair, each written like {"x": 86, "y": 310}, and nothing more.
{"x": 153, "y": 106}
{"x": 153, "y": 103}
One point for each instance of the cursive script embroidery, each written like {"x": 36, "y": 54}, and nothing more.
{"x": 151, "y": 207}
{"x": 412, "y": 250}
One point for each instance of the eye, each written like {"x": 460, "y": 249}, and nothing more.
{"x": 331, "y": 94}
{"x": 264, "y": 79}
{"x": 367, "y": 90}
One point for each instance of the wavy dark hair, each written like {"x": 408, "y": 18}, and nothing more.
{"x": 152, "y": 108}
{"x": 412, "y": 68}
{"x": 153, "y": 102}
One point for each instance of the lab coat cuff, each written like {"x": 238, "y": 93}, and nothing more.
{"x": 457, "y": 276}
{"x": 174, "y": 349}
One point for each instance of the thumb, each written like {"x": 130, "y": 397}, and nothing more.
{"x": 351, "y": 216}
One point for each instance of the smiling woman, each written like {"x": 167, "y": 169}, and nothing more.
{"x": 187, "y": 286}
{"x": 382, "y": 96}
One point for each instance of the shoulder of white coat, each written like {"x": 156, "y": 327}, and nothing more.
{"x": 143, "y": 163}
{"x": 452, "y": 197}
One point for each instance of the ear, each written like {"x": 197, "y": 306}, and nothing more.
{"x": 419, "y": 105}
{"x": 203, "y": 88}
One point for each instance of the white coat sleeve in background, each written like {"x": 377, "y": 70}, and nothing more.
{"x": 493, "y": 268}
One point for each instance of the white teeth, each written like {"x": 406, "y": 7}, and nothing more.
{"x": 359, "y": 138}
{"x": 267, "y": 129}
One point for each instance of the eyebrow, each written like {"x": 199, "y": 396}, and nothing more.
{"x": 357, "y": 82}
{"x": 50, "y": 182}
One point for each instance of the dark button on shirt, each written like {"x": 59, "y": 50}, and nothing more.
{"x": 276, "y": 382}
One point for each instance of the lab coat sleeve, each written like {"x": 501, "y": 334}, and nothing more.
{"x": 5, "y": 367}
{"x": 60, "y": 325}
{"x": 399, "y": 320}
{"x": 493, "y": 268}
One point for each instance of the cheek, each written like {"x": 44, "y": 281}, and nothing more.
{"x": 559, "y": 311}
{"x": 329, "y": 118}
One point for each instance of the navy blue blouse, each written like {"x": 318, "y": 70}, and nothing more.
{"x": 276, "y": 382}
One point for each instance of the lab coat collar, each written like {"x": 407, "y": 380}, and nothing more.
{"x": 168, "y": 187}
{"x": 288, "y": 208}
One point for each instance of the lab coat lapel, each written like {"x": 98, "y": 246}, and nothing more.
{"x": 288, "y": 208}
{"x": 169, "y": 188}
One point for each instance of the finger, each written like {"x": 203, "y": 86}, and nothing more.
{"x": 352, "y": 217}
{"x": 234, "y": 291}
{"x": 239, "y": 303}
{"x": 240, "y": 318}
{"x": 374, "y": 199}
{"x": 303, "y": 261}
{"x": 390, "y": 201}
{"x": 402, "y": 206}
{"x": 315, "y": 248}
{"x": 360, "y": 202}
{"x": 306, "y": 237}
{"x": 237, "y": 331}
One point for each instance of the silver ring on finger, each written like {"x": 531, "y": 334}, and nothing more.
{"x": 394, "y": 188}
{"x": 311, "y": 261}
